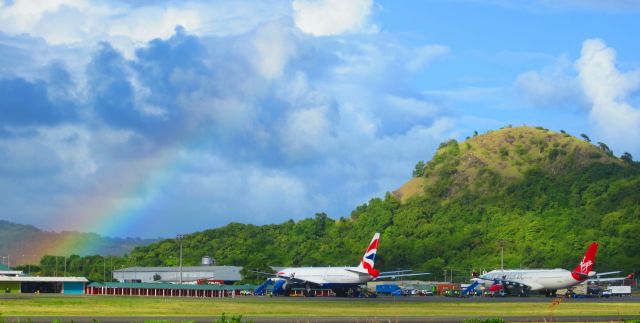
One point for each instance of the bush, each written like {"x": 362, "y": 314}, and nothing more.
{"x": 233, "y": 319}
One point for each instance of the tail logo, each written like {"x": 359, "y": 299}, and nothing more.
{"x": 369, "y": 257}
{"x": 582, "y": 270}
{"x": 585, "y": 266}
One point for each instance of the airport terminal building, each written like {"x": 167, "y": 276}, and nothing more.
{"x": 15, "y": 282}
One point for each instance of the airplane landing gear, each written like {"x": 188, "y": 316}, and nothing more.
{"x": 307, "y": 291}
{"x": 341, "y": 292}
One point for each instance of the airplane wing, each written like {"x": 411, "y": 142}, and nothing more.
{"x": 611, "y": 279}
{"x": 264, "y": 273}
{"x": 359, "y": 272}
{"x": 401, "y": 275}
{"x": 608, "y": 273}
{"x": 395, "y": 271}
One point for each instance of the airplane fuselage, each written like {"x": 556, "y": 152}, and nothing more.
{"x": 326, "y": 276}
{"x": 536, "y": 279}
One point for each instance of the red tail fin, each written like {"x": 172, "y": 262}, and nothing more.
{"x": 581, "y": 272}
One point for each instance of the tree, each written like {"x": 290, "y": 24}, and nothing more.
{"x": 256, "y": 271}
{"x": 605, "y": 148}
{"x": 627, "y": 158}
{"x": 419, "y": 170}
{"x": 585, "y": 137}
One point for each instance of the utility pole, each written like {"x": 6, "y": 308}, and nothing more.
{"x": 502, "y": 254}
{"x": 65, "y": 266}
{"x": 180, "y": 237}
{"x": 104, "y": 269}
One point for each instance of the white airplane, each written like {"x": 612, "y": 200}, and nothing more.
{"x": 340, "y": 279}
{"x": 547, "y": 281}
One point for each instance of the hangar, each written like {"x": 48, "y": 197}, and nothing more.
{"x": 28, "y": 284}
{"x": 211, "y": 274}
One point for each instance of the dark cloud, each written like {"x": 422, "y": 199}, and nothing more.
{"x": 160, "y": 64}
{"x": 24, "y": 103}
{"x": 112, "y": 95}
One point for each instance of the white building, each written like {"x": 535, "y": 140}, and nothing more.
{"x": 217, "y": 274}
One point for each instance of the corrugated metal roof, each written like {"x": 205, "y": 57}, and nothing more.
{"x": 11, "y": 272}
{"x": 173, "y": 286}
{"x": 230, "y": 273}
{"x": 177, "y": 269}
{"x": 43, "y": 279}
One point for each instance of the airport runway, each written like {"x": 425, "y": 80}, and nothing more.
{"x": 333, "y": 319}
{"x": 479, "y": 299}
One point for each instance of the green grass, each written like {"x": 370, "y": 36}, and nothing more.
{"x": 33, "y": 306}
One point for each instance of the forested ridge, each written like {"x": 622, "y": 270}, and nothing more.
{"x": 23, "y": 243}
{"x": 543, "y": 195}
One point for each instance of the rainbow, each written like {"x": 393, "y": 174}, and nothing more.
{"x": 117, "y": 200}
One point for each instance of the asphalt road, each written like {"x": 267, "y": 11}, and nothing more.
{"x": 478, "y": 299}
{"x": 336, "y": 319}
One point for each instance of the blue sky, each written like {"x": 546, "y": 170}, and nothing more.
{"x": 152, "y": 118}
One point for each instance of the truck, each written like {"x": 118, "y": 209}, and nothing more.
{"x": 389, "y": 289}
{"x": 617, "y": 291}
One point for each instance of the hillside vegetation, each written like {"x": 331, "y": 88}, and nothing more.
{"x": 23, "y": 243}
{"x": 544, "y": 195}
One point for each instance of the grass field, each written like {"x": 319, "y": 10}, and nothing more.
{"x": 32, "y": 306}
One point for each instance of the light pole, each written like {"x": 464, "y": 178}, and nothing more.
{"x": 180, "y": 237}
{"x": 501, "y": 254}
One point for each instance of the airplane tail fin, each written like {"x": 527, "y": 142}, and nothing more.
{"x": 369, "y": 258}
{"x": 581, "y": 272}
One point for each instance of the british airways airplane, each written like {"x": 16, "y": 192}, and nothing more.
{"x": 340, "y": 279}
{"x": 547, "y": 281}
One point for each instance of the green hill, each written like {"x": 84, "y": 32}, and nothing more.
{"x": 24, "y": 243}
{"x": 544, "y": 195}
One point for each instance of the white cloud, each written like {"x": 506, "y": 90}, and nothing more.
{"x": 425, "y": 54}
{"x": 147, "y": 23}
{"x": 126, "y": 27}
{"x": 608, "y": 90}
{"x": 554, "y": 85}
{"x": 331, "y": 17}
{"x": 274, "y": 45}
{"x": 22, "y": 15}
{"x": 306, "y": 132}
{"x": 412, "y": 107}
